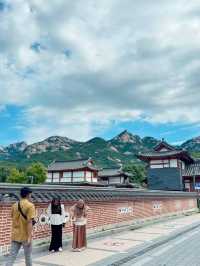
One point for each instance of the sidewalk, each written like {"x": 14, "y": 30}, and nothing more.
{"x": 101, "y": 251}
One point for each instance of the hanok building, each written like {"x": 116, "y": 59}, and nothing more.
{"x": 74, "y": 171}
{"x": 113, "y": 176}
{"x": 170, "y": 168}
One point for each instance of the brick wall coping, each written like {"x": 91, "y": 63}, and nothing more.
{"x": 45, "y": 193}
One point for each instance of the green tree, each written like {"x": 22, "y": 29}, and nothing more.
{"x": 15, "y": 176}
{"x": 138, "y": 173}
{"x": 4, "y": 173}
{"x": 36, "y": 173}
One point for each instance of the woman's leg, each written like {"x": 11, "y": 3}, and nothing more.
{"x": 75, "y": 236}
{"x": 79, "y": 237}
{"x": 59, "y": 236}
{"x": 83, "y": 240}
{"x": 53, "y": 238}
{"x": 56, "y": 240}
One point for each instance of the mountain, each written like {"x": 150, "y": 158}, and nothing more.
{"x": 51, "y": 144}
{"x": 16, "y": 147}
{"x": 192, "y": 145}
{"x": 119, "y": 150}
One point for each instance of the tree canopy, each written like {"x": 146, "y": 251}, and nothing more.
{"x": 15, "y": 176}
{"x": 138, "y": 173}
{"x": 35, "y": 173}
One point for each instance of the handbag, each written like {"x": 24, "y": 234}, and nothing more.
{"x": 24, "y": 216}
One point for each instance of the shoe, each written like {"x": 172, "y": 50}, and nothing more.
{"x": 52, "y": 251}
{"x": 60, "y": 249}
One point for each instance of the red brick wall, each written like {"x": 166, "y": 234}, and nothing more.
{"x": 101, "y": 214}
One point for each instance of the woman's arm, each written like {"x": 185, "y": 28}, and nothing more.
{"x": 86, "y": 211}
{"x": 71, "y": 213}
{"x": 63, "y": 213}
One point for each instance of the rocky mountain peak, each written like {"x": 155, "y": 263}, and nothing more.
{"x": 127, "y": 137}
{"x": 197, "y": 139}
{"x": 16, "y": 147}
{"x": 51, "y": 144}
{"x": 192, "y": 144}
{"x": 59, "y": 139}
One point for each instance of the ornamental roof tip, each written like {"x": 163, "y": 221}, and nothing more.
{"x": 165, "y": 144}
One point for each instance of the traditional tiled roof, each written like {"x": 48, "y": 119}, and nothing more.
{"x": 45, "y": 193}
{"x": 71, "y": 165}
{"x": 164, "y": 144}
{"x": 108, "y": 172}
{"x": 164, "y": 154}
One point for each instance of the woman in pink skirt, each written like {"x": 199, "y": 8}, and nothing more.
{"x": 79, "y": 220}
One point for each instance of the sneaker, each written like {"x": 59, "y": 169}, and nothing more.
{"x": 60, "y": 249}
{"x": 52, "y": 251}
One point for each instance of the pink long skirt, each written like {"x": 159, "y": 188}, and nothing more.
{"x": 79, "y": 236}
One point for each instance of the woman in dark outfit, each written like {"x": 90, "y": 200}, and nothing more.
{"x": 56, "y": 213}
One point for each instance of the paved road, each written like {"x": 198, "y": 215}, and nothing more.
{"x": 182, "y": 251}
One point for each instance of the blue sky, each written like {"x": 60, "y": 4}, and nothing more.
{"x": 13, "y": 128}
{"x": 99, "y": 67}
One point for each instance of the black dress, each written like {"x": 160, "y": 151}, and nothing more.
{"x": 56, "y": 237}
{"x": 56, "y": 227}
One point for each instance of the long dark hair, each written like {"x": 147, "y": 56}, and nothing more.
{"x": 56, "y": 208}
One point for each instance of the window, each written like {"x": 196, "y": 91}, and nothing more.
{"x": 173, "y": 163}
{"x": 67, "y": 174}
{"x": 56, "y": 177}
{"x": 159, "y": 163}
{"x": 78, "y": 174}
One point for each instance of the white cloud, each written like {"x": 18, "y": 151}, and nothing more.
{"x": 76, "y": 66}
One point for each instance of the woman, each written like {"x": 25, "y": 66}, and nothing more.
{"x": 79, "y": 220}
{"x": 56, "y": 213}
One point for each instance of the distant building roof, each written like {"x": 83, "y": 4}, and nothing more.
{"x": 108, "y": 172}
{"x": 182, "y": 154}
{"x": 72, "y": 165}
{"x": 164, "y": 144}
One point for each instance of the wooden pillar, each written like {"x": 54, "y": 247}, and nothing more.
{"x": 85, "y": 175}
{"x": 194, "y": 181}
{"x": 72, "y": 177}
{"x": 60, "y": 176}
{"x": 92, "y": 174}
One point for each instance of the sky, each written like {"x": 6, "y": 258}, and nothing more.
{"x": 90, "y": 68}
